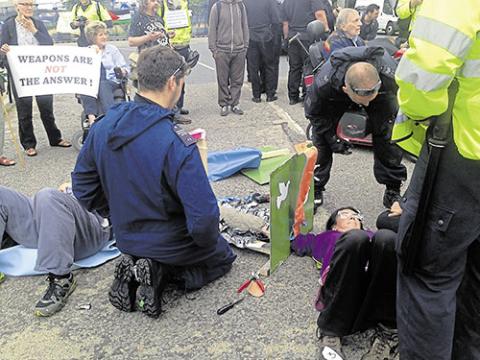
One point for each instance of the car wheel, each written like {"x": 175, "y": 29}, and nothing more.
{"x": 390, "y": 29}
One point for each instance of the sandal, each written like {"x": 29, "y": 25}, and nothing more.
{"x": 31, "y": 152}
{"x": 63, "y": 143}
{"x": 4, "y": 161}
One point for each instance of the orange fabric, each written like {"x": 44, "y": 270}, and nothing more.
{"x": 299, "y": 217}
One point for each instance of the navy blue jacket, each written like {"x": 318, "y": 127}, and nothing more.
{"x": 159, "y": 198}
{"x": 9, "y": 32}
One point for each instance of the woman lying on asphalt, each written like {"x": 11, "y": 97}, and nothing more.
{"x": 357, "y": 280}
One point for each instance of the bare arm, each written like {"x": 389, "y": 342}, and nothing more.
{"x": 321, "y": 15}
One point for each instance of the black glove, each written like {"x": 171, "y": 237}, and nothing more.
{"x": 285, "y": 45}
{"x": 340, "y": 146}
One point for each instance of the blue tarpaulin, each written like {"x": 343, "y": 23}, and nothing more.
{"x": 20, "y": 261}
{"x": 222, "y": 164}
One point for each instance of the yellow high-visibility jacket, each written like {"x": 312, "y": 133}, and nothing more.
{"x": 404, "y": 11}
{"x": 94, "y": 11}
{"x": 182, "y": 35}
{"x": 444, "y": 44}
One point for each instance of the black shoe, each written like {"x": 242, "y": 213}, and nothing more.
{"x": 294, "y": 101}
{"x": 390, "y": 196}
{"x": 256, "y": 100}
{"x": 123, "y": 289}
{"x": 149, "y": 275}
{"x": 272, "y": 98}
{"x": 180, "y": 119}
{"x": 317, "y": 200}
{"x": 184, "y": 111}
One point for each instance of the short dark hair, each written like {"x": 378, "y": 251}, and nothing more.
{"x": 371, "y": 8}
{"x": 156, "y": 65}
{"x": 332, "y": 220}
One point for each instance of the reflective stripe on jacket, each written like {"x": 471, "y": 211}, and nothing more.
{"x": 444, "y": 44}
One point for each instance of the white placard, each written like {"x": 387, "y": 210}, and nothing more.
{"x": 44, "y": 70}
{"x": 176, "y": 19}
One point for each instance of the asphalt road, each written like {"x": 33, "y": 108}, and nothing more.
{"x": 281, "y": 325}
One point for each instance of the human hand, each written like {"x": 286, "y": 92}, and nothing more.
{"x": 5, "y": 48}
{"x": 395, "y": 209}
{"x": 154, "y": 35}
{"x": 63, "y": 187}
{"x": 171, "y": 34}
{"x": 415, "y": 3}
{"x": 341, "y": 146}
{"x": 27, "y": 23}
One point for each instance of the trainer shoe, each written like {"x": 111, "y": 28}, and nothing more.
{"x": 331, "y": 348}
{"x": 123, "y": 289}
{"x": 384, "y": 345}
{"x": 237, "y": 110}
{"x": 56, "y": 295}
{"x": 149, "y": 275}
{"x": 390, "y": 196}
{"x": 224, "y": 110}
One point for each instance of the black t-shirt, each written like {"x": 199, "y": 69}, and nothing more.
{"x": 299, "y": 13}
{"x": 143, "y": 24}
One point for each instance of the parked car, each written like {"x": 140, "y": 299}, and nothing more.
{"x": 387, "y": 20}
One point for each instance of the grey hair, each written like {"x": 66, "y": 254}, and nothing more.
{"x": 93, "y": 28}
{"x": 343, "y": 17}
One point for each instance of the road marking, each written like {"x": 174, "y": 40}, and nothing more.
{"x": 292, "y": 124}
{"x": 282, "y": 114}
{"x": 206, "y": 66}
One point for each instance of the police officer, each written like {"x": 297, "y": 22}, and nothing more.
{"x": 262, "y": 18}
{"x": 359, "y": 80}
{"x": 164, "y": 213}
{"x": 438, "y": 303}
{"x": 88, "y": 10}
{"x": 296, "y": 14}
{"x": 183, "y": 34}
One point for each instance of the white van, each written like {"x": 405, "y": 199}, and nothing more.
{"x": 387, "y": 20}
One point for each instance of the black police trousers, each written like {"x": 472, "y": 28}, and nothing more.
{"x": 261, "y": 56}
{"x": 438, "y": 307}
{"x": 359, "y": 291}
{"x": 387, "y": 168}
{"x": 296, "y": 58}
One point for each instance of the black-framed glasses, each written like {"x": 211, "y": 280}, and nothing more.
{"x": 367, "y": 92}
{"x": 184, "y": 68}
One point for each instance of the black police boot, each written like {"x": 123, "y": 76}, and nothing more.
{"x": 390, "y": 196}
{"x": 150, "y": 276}
{"x": 124, "y": 286}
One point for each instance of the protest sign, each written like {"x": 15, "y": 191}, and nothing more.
{"x": 291, "y": 203}
{"x": 43, "y": 70}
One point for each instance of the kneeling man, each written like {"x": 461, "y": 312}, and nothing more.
{"x": 147, "y": 173}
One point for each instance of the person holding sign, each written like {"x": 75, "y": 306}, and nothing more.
{"x": 23, "y": 29}
{"x": 176, "y": 17}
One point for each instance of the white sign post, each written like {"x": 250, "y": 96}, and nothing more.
{"x": 44, "y": 70}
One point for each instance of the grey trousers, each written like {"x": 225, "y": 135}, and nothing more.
{"x": 54, "y": 223}
{"x": 230, "y": 76}
{"x": 438, "y": 314}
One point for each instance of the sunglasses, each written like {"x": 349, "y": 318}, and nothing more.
{"x": 186, "y": 69}
{"x": 348, "y": 214}
{"x": 367, "y": 92}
